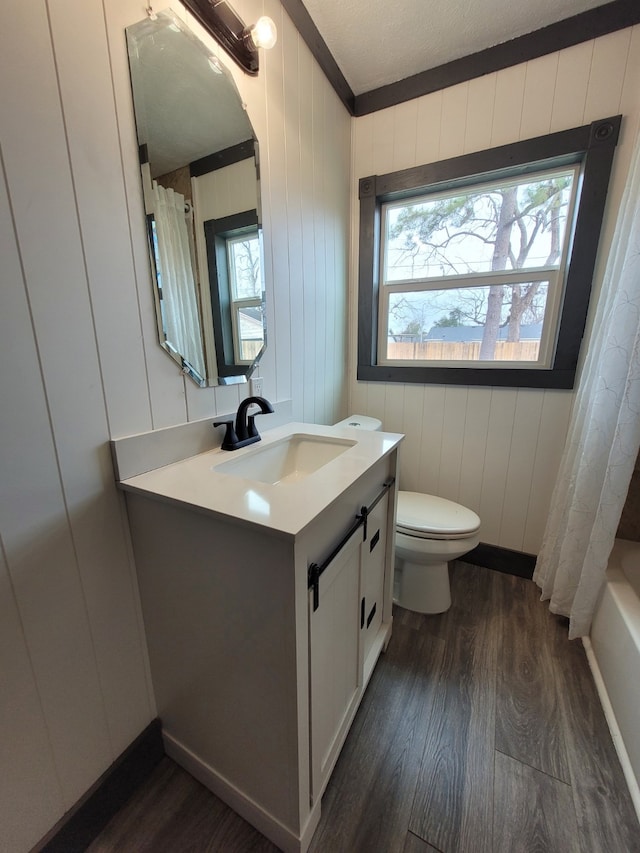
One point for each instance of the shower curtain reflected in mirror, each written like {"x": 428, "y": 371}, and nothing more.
{"x": 174, "y": 257}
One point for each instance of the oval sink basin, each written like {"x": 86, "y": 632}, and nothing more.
{"x": 286, "y": 461}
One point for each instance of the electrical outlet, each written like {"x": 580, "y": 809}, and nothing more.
{"x": 257, "y": 386}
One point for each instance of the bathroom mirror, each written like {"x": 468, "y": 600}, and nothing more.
{"x": 200, "y": 177}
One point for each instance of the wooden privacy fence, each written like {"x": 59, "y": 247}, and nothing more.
{"x": 251, "y": 349}
{"x": 460, "y": 351}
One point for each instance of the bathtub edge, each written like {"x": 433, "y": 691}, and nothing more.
{"x": 616, "y": 735}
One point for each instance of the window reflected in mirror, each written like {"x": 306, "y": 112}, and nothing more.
{"x": 243, "y": 260}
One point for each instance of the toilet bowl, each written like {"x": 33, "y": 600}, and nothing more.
{"x": 430, "y": 531}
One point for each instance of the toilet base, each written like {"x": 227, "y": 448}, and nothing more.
{"x": 423, "y": 589}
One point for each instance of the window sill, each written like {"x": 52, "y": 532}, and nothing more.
{"x": 517, "y": 377}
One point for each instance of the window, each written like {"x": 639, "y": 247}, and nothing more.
{"x": 245, "y": 284}
{"x": 234, "y": 256}
{"x": 477, "y": 270}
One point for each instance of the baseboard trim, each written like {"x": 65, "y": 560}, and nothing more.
{"x": 83, "y": 823}
{"x": 282, "y": 836}
{"x": 502, "y": 560}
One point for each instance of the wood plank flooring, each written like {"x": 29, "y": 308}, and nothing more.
{"x": 480, "y": 732}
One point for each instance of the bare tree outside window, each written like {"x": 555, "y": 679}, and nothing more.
{"x": 246, "y": 296}
{"x": 446, "y": 256}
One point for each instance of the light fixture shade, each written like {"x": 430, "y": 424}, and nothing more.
{"x": 264, "y": 33}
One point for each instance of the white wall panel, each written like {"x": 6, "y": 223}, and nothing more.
{"x": 570, "y": 93}
{"x": 496, "y": 462}
{"x": 606, "y": 78}
{"x": 453, "y": 120}
{"x": 320, "y": 130}
{"x": 480, "y": 105}
{"x": 51, "y": 482}
{"x": 539, "y": 85}
{"x": 453, "y": 428}
{"x": 306, "y": 320}
{"x": 404, "y": 144}
{"x": 472, "y": 468}
{"x": 25, "y": 746}
{"x": 554, "y": 420}
{"x": 524, "y": 437}
{"x": 92, "y": 501}
{"x": 412, "y": 429}
{"x": 393, "y": 412}
{"x": 295, "y": 257}
{"x": 92, "y": 137}
{"x": 82, "y": 364}
{"x": 495, "y": 450}
{"x": 428, "y": 123}
{"x": 384, "y": 130}
{"x": 433, "y": 412}
{"x": 507, "y": 110}
{"x": 277, "y": 243}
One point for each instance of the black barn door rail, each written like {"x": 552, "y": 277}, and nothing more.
{"x": 316, "y": 569}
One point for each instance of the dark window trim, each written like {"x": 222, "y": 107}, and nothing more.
{"x": 593, "y": 146}
{"x": 216, "y": 232}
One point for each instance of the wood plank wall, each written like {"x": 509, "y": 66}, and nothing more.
{"x": 80, "y": 364}
{"x": 494, "y": 450}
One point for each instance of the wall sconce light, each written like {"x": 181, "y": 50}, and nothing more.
{"x": 240, "y": 42}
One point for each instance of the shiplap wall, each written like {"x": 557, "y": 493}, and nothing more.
{"x": 80, "y": 364}
{"x": 494, "y": 450}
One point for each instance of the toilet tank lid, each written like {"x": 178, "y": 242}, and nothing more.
{"x": 361, "y": 422}
{"x": 422, "y": 513}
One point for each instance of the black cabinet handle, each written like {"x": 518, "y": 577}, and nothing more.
{"x": 315, "y": 570}
{"x": 374, "y": 540}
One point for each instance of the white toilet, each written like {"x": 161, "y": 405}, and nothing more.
{"x": 430, "y": 531}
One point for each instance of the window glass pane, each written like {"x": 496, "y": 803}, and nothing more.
{"x": 493, "y": 323}
{"x": 250, "y": 331}
{"x": 244, "y": 267}
{"x": 495, "y": 226}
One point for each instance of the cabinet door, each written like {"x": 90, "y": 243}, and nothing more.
{"x": 374, "y": 551}
{"x": 335, "y": 662}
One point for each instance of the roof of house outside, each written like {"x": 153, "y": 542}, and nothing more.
{"x": 531, "y": 332}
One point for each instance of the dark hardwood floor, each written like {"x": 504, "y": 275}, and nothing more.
{"x": 480, "y": 732}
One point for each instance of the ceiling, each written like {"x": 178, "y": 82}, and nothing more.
{"x": 186, "y": 104}
{"x": 376, "y": 43}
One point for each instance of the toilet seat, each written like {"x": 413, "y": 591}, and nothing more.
{"x": 430, "y": 517}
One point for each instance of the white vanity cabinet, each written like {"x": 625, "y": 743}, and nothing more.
{"x": 374, "y": 574}
{"x": 257, "y": 668}
{"x": 346, "y": 634}
{"x": 335, "y": 659}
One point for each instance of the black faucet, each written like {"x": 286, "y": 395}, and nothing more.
{"x": 245, "y": 431}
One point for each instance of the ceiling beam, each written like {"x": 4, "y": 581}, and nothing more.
{"x": 317, "y": 45}
{"x": 585, "y": 26}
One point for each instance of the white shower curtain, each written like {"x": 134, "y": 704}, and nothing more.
{"x": 181, "y": 311}
{"x": 604, "y": 434}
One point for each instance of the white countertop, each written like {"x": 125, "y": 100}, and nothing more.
{"x": 284, "y": 508}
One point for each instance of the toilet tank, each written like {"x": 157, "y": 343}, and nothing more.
{"x": 361, "y": 422}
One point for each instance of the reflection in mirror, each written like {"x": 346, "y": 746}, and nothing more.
{"x": 199, "y": 165}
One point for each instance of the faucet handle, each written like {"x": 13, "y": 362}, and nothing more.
{"x": 230, "y": 440}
